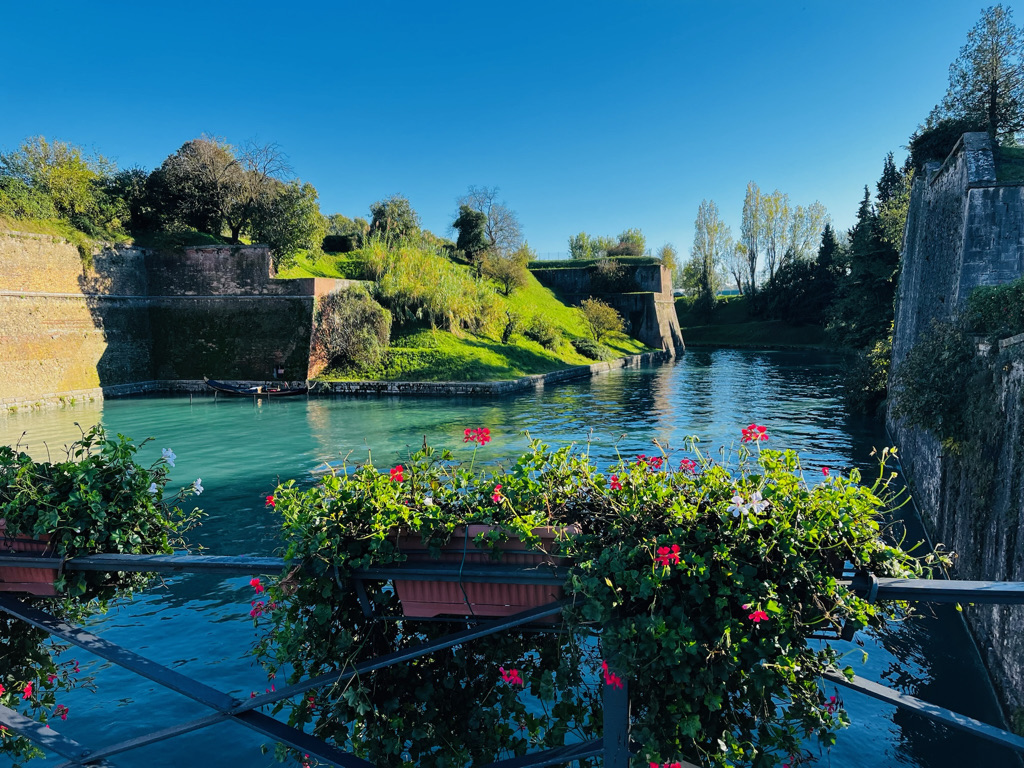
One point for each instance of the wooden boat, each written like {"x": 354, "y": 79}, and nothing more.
{"x": 262, "y": 390}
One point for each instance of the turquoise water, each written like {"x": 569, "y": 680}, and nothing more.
{"x": 200, "y": 625}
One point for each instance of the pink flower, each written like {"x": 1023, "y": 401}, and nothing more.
{"x": 511, "y": 676}
{"x": 27, "y": 693}
{"x": 76, "y": 665}
{"x": 2, "y": 689}
{"x": 482, "y": 436}
{"x": 61, "y": 711}
{"x": 824, "y": 471}
{"x": 397, "y": 475}
{"x": 758, "y": 616}
{"x": 610, "y": 678}
{"x": 668, "y": 556}
{"x": 688, "y": 465}
{"x": 270, "y": 501}
{"x": 254, "y": 582}
{"x": 832, "y": 705}
{"x": 496, "y": 497}
{"x": 50, "y": 679}
{"x": 257, "y": 609}
{"x": 754, "y": 433}
{"x": 616, "y": 485}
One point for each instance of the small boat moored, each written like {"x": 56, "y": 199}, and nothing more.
{"x": 254, "y": 390}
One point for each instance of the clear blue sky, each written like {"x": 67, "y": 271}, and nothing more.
{"x": 593, "y": 116}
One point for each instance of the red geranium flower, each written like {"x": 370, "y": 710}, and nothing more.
{"x": 510, "y": 676}
{"x": 616, "y": 485}
{"x": 496, "y": 497}
{"x": 668, "y": 556}
{"x": 482, "y": 436}
{"x": 254, "y": 582}
{"x": 758, "y": 616}
{"x": 270, "y": 501}
{"x": 754, "y": 433}
{"x": 397, "y": 475}
{"x": 688, "y": 465}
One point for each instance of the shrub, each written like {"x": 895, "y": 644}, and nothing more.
{"x": 341, "y": 243}
{"x": 706, "y": 584}
{"x": 601, "y": 318}
{"x": 508, "y": 270}
{"x": 542, "y": 330}
{"x": 595, "y": 350}
{"x": 997, "y": 310}
{"x": 350, "y": 331}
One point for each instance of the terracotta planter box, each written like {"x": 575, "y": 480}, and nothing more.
{"x": 425, "y": 599}
{"x": 32, "y": 581}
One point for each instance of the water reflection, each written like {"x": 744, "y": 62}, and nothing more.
{"x": 201, "y": 625}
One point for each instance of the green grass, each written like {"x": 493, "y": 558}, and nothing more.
{"x": 337, "y": 265}
{"x": 1009, "y": 163}
{"x": 420, "y": 353}
{"x": 731, "y": 325}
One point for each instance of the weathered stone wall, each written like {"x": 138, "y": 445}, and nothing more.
{"x": 965, "y": 230}
{"x": 137, "y": 316}
{"x": 642, "y": 295}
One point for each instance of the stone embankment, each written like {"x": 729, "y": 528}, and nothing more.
{"x": 964, "y": 230}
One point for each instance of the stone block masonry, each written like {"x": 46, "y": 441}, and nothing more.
{"x": 964, "y": 230}
{"x": 138, "y": 317}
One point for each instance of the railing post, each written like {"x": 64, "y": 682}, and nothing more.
{"x": 616, "y": 725}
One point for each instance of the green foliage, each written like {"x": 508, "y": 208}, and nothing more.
{"x": 393, "y": 219}
{"x": 472, "y": 228}
{"x": 508, "y": 270}
{"x": 541, "y": 329}
{"x": 342, "y": 226}
{"x": 712, "y": 241}
{"x": 671, "y": 567}
{"x": 350, "y": 331}
{"x": 732, "y": 323}
{"x": 21, "y": 200}
{"x": 289, "y": 221}
{"x": 867, "y": 380}
{"x": 631, "y": 243}
{"x": 997, "y": 310}
{"x": 595, "y": 350}
{"x": 601, "y": 317}
{"x": 97, "y": 500}
{"x": 420, "y": 284}
{"x": 580, "y": 247}
{"x": 935, "y": 141}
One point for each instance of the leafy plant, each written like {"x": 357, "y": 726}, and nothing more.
{"x": 601, "y": 317}
{"x": 700, "y": 585}
{"x": 351, "y": 331}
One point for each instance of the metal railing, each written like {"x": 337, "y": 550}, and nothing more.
{"x": 614, "y": 747}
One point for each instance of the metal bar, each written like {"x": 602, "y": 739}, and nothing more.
{"x": 489, "y": 573}
{"x": 553, "y": 756}
{"x": 158, "y": 673}
{"x": 306, "y": 742}
{"x": 930, "y": 711}
{"x": 40, "y": 734}
{"x": 407, "y": 654}
{"x": 616, "y": 725}
{"x": 942, "y": 591}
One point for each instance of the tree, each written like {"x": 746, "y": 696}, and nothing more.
{"x": 669, "y": 257}
{"x": 472, "y": 228}
{"x": 805, "y": 228}
{"x": 508, "y": 270}
{"x": 894, "y": 200}
{"x": 580, "y": 247}
{"x": 393, "y": 219}
{"x": 503, "y": 230}
{"x": 601, "y": 318}
{"x": 775, "y": 218}
{"x": 343, "y": 226}
{"x": 288, "y": 219}
{"x": 712, "y": 240}
{"x": 203, "y": 186}
{"x": 736, "y": 265}
{"x": 631, "y": 243}
{"x": 986, "y": 82}
{"x": 750, "y": 232}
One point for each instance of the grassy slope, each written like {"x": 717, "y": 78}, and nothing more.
{"x": 424, "y": 354}
{"x": 730, "y": 326}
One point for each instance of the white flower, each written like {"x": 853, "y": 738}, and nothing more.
{"x": 738, "y": 505}
{"x": 428, "y": 500}
{"x": 757, "y": 504}
{"x": 152, "y": 488}
{"x": 197, "y": 486}
{"x": 168, "y": 454}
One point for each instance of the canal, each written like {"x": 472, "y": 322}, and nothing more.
{"x": 200, "y": 625}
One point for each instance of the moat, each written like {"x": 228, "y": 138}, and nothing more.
{"x": 240, "y": 449}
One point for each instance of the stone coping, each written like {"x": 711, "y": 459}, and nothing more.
{"x": 320, "y": 388}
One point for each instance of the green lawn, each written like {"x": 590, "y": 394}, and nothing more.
{"x": 731, "y": 325}
{"x": 1009, "y": 163}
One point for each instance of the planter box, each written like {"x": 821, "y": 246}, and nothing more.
{"x": 33, "y": 581}
{"x": 425, "y": 599}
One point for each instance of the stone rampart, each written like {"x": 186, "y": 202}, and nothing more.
{"x": 965, "y": 230}
{"x": 642, "y": 294}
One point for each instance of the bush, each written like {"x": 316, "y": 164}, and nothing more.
{"x": 341, "y": 243}
{"x": 21, "y": 201}
{"x": 543, "y": 331}
{"x": 706, "y": 583}
{"x": 595, "y": 350}
{"x": 935, "y": 143}
{"x": 601, "y": 318}
{"x": 350, "y": 331}
{"x": 997, "y": 310}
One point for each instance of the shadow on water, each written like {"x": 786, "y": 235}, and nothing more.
{"x": 240, "y": 450}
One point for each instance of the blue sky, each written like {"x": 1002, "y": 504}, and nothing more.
{"x": 593, "y": 116}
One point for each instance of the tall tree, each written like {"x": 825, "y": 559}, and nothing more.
{"x": 805, "y": 228}
{"x": 736, "y": 265}
{"x": 775, "y": 218}
{"x": 393, "y": 219}
{"x": 894, "y": 200}
{"x": 288, "y": 219}
{"x": 580, "y": 247}
{"x": 986, "y": 82}
{"x": 631, "y": 243}
{"x": 750, "y": 232}
{"x": 669, "y": 257}
{"x": 472, "y": 228}
{"x": 503, "y": 231}
{"x": 712, "y": 240}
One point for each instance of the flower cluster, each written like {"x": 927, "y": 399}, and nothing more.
{"x": 610, "y": 678}
{"x": 754, "y": 433}
{"x": 511, "y": 676}
{"x": 481, "y": 436}
{"x": 667, "y": 556}
{"x": 398, "y": 474}
{"x": 651, "y": 462}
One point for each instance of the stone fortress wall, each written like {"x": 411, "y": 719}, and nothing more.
{"x": 964, "y": 230}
